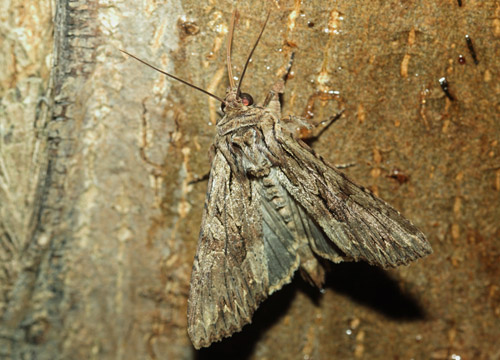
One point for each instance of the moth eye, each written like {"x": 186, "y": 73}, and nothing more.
{"x": 223, "y": 107}
{"x": 247, "y": 99}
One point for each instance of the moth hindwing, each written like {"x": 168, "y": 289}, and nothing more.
{"x": 273, "y": 207}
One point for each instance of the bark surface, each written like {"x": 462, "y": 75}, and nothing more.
{"x": 99, "y": 221}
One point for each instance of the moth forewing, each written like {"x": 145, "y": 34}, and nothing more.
{"x": 272, "y": 207}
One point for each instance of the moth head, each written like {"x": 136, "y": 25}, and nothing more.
{"x": 235, "y": 100}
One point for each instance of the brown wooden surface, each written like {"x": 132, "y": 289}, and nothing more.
{"x": 98, "y": 221}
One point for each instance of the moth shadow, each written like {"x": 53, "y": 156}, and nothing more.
{"x": 365, "y": 284}
{"x": 242, "y": 345}
{"x": 374, "y": 288}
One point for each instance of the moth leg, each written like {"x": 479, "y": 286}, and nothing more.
{"x": 197, "y": 178}
{"x": 344, "y": 166}
{"x": 302, "y": 129}
{"x": 311, "y": 269}
{"x": 272, "y": 100}
{"x": 284, "y": 72}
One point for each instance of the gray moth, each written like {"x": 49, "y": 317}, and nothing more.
{"x": 274, "y": 207}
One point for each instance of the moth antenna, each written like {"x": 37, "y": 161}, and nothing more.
{"x": 251, "y": 52}
{"x": 228, "y": 49}
{"x": 174, "y": 77}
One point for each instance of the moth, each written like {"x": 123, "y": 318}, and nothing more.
{"x": 274, "y": 207}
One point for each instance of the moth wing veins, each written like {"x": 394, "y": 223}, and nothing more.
{"x": 245, "y": 253}
{"x": 359, "y": 225}
{"x": 228, "y": 280}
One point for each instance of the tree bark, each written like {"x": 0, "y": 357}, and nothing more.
{"x": 99, "y": 219}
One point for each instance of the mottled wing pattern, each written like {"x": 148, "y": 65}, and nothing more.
{"x": 360, "y": 225}
{"x": 237, "y": 264}
{"x": 228, "y": 280}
